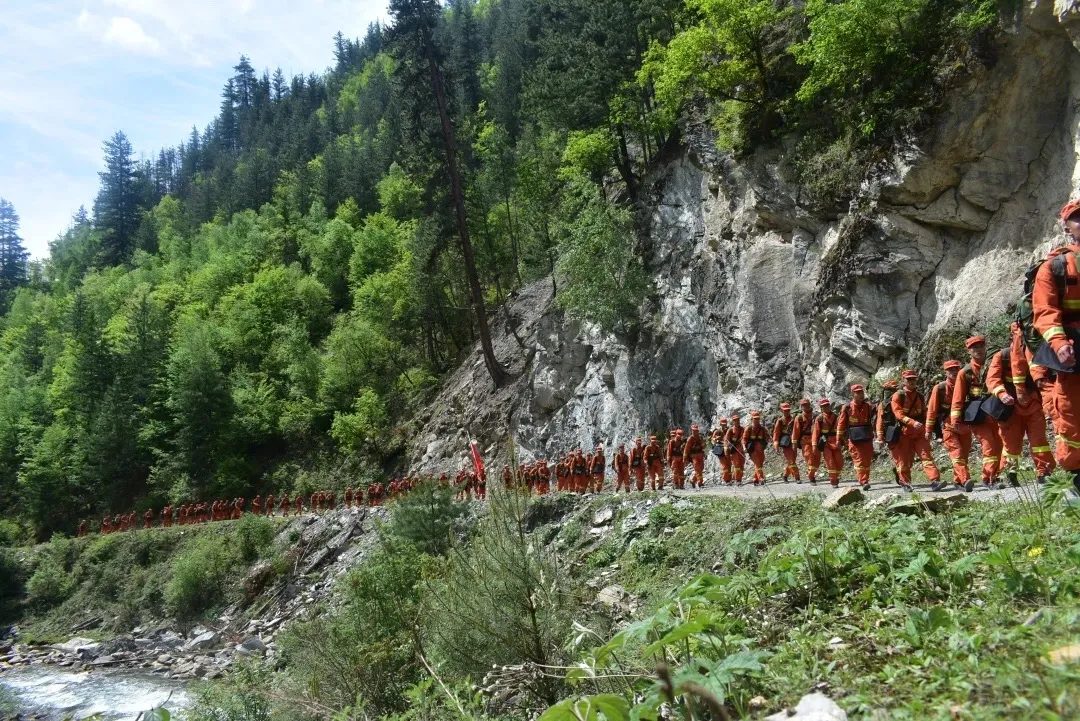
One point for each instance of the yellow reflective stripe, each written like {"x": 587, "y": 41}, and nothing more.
{"x": 1018, "y": 380}
{"x": 991, "y": 459}
{"x": 1053, "y": 332}
{"x": 1070, "y": 444}
{"x": 929, "y": 464}
{"x": 999, "y": 389}
{"x": 1040, "y": 449}
{"x": 959, "y": 462}
{"x": 955, "y": 414}
{"x": 1071, "y": 304}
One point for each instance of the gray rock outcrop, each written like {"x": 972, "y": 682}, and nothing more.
{"x": 758, "y": 296}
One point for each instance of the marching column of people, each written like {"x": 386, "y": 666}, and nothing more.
{"x": 999, "y": 399}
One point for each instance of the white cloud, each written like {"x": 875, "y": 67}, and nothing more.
{"x": 128, "y": 34}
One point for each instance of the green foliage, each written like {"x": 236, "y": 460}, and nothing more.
{"x": 50, "y": 585}
{"x": 427, "y": 518}
{"x": 605, "y": 280}
{"x": 362, "y": 654}
{"x": 199, "y": 577}
{"x": 254, "y": 537}
{"x": 240, "y": 697}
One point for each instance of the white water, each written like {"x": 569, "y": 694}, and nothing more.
{"x": 78, "y": 695}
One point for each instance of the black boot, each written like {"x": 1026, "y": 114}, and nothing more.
{"x": 1013, "y": 481}
{"x": 1076, "y": 481}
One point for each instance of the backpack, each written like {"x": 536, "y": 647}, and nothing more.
{"x": 1025, "y": 310}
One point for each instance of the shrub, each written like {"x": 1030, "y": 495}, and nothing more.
{"x": 427, "y": 518}
{"x": 50, "y": 585}
{"x": 11, "y": 575}
{"x": 254, "y": 537}
{"x": 198, "y": 578}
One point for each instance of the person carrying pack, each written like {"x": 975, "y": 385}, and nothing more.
{"x": 967, "y": 415}
{"x": 827, "y": 443}
{"x": 802, "y": 433}
{"x": 1055, "y": 308}
{"x": 783, "y": 432}
{"x": 857, "y": 425}
{"x": 909, "y": 409}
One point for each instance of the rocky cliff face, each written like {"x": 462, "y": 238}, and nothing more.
{"x": 758, "y": 298}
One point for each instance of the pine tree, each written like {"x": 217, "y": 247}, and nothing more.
{"x": 244, "y": 83}
{"x": 278, "y": 86}
{"x": 116, "y": 208}
{"x": 227, "y": 128}
{"x": 417, "y": 55}
{"x": 13, "y": 255}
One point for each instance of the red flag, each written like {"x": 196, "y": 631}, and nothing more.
{"x": 477, "y": 461}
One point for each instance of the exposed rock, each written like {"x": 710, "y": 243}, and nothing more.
{"x": 79, "y": 646}
{"x": 203, "y": 640}
{"x": 603, "y": 517}
{"x": 934, "y": 503}
{"x": 252, "y": 646}
{"x": 883, "y": 501}
{"x": 812, "y": 707}
{"x": 843, "y": 497}
{"x": 1065, "y": 654}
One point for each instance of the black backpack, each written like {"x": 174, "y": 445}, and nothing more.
{"x": 1025, "y": 311}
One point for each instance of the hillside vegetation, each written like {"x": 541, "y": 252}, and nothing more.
{"x": 264, "y": 306}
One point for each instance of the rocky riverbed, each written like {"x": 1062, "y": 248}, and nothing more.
{"x": 48, "y": 693}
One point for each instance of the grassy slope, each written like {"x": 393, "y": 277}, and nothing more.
{"x": 942, "y": 616}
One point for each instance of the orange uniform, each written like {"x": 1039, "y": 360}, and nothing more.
{"x": 856, "y": 425}
{"x": 256, "y": 505}
{"x": 1057, "y": 313}
{"x": 783, "y": 441}
{"x": 802, "y": 436}
{"x": 637, "y": 463}
{"x": 970, "y": 387}
{"x": 720, "y": 450}
{"x": 621, "y": 466}
{"x": 938, "y": 411}
{"x": 673, "y": 454}
{"x": 827, "y": 441}
{"x": 1027, "y": 419}
{"x": 579, "y": 466}
{"x": 599, "y": 464}
{"x": 754, "y": 440}
{"x": 543, "y": 479}
{"x": 694, "y": 452}
{"x": 909, "y": 409}
{"x": 654, "y": 458}
{"x": 733, "y": 446}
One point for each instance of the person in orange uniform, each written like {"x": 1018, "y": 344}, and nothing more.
{"x": 783, "y": 442}
{"x": 938, "y": 415}
{"x": 599, "y": 465}
{"x": 167, "y": 516}
{"x": 969, "y": 392}
{"x": 256, "y": 504}
{"x": 716, "y": 438}
{"x": 1055, "y": 305}
{"x": 856, "y": 424}
{"x": 621, "y": 466}
{"x": 1027, "y": 418}
{"x": 148, "y": 519}
{"x": 827, "y": 441}
{"x": 733, "y": 445}
{"x": 580, "y": 467}
{"x": 755, "y": 438}
{"x": 654, "y": 459}
{"x": 909, "y": 410}
{"x": 637, "y": 463}
{"x": 693, "y": 451}
{"x": 673, "y": 454}
{"x": 802, "y": 436}
{"x": 543, "y": 478}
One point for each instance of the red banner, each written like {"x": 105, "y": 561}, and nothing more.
{"x": 478, "y": 462}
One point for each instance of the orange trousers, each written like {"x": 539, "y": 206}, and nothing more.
{"x": 598, "y": 482}
{"x": 810, "y": 455}
{"x": 622, "y": 478}
{"x": 791, "y": 467}
{"x": 862, "y": 457}
{"x": 957, "y": 441}
{"x": 725, "y": 468}
{"x": 738, "y": 464}
{"x": 1032, "y": 423}
{"x": 834, "y": 462}
{"x": 639, "y": 477}
{"x": 757, "y": 457}
{"x": 992, "y": 448}
{"x": 656, "y": 475}
{"x": 1066, "y": 418}
{"x": 698, "y": 462}
{"x": 678, "y": 472}
{"x": 903, "y": 453}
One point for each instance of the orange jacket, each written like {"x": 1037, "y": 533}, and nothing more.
{"x": 734, "y": 438}
{"x": 909, "y": 408}
{"x": 621, "y": 464}
{"x": 653, "y": 453}
{"x": 694, "y": 446}
{"x": 637, "y": 457}
{"x": 853, "y": 414}
{"x": 1052, "y": 314}
{"x": 969, "y": 384}
{"x": 784, "y": 427}
{"x": 940, "y": 399}
{"x": 1025, "y": 377}
{"x": 802, "y": 431}
{"x": 825, "y": 427}
{"x": 755, "y": 434}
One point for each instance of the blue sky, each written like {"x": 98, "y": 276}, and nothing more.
{"x": 73, "y": 73}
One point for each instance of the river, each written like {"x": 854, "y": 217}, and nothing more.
{"x": 63, "y": 694}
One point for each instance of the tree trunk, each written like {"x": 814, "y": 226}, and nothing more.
{"x": 498, "y": 374}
